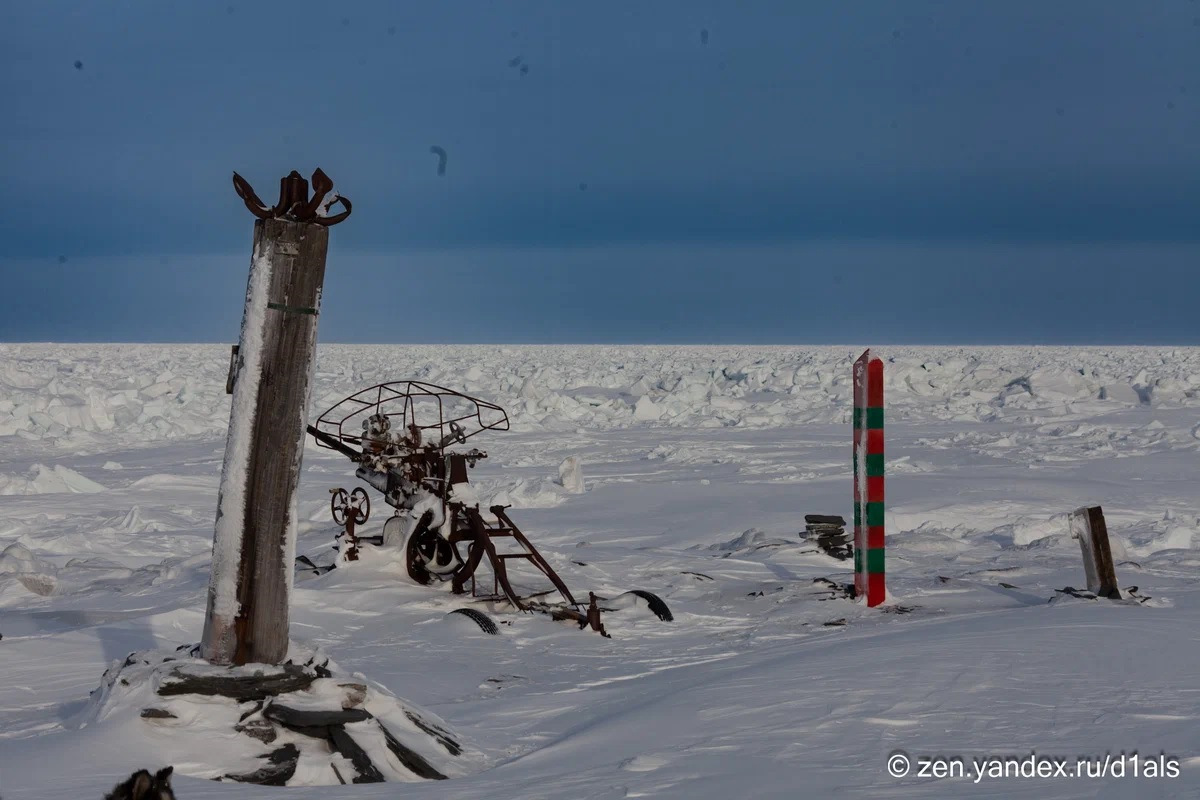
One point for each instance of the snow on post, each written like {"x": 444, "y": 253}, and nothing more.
{"x": 1089, "y": 527}
{"x": 255, "y": 537}
{"x": 868, "y": 480}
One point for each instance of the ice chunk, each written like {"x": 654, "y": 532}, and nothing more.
{"x": 570, "y": 475}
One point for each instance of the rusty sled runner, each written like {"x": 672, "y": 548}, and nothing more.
{"x": 400, "y": 434}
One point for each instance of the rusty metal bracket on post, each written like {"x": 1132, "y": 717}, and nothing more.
{"x": 294, "y": 202}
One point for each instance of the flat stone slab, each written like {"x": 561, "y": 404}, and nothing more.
{"x": 297, "y": 718}
{"x": 279, "y": 769}
{"x": 824, "y": 519}
{"x": 239, "y": 686}
{"x": 414, "y": 762}
{"x": 344, "y": 743}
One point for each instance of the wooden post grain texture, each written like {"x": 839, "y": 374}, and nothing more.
{"x": 1089, "y": 527}
{"x": 276, "y": 357}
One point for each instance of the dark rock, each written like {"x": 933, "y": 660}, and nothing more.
{"x": 239, "y": 687}
{"x": 295, "y": 718}
{"x": 443, "y": 738}
{"x": 257, "y": 707}
{"x": 415, "y": 763}
{"x": 279, "y": 769}
{"x": 258, "y": 729}
{"x": 823, "y": 519}
{"x": 157, "y": 713}
{"x": 345, "y": 744}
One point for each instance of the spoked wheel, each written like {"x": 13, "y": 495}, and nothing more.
{"x": 360, "y": 501}
{"x": 338, "y": 504}
{"x": 343, "y": 504}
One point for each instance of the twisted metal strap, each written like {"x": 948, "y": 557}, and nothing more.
{"x": 294, "y": 203}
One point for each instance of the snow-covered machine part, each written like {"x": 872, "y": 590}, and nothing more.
{"x": 398, "y": 434}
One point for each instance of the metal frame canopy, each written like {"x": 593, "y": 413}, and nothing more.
{"x": 411, "y": 403}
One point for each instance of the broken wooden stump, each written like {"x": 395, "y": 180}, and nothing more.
{"x": 1088, "y": 526}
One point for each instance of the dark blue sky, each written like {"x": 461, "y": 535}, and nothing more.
{"x": 674, "y": 171}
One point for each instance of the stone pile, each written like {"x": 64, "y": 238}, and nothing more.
{"x": 829, "y": 532}
{"x": 299, "y": 723}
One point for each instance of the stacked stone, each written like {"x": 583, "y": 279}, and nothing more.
{"x": 830, "y": 535}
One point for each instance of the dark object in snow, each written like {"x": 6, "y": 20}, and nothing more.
{"x": 400, "y": 434}
{"x": 345, "y": 744}
{"x": 413, "y": 762}
{"x": 279, "y": 769}
{"x": 479, "y": 618}
{"x": 310, "y": 564}
{"x": 294, "y": 203}
{"x": 834, "y": 623}
{"x": 830, "y": 534}
{"x": 655, "y": 603}
{"x": 837, "y": 591}
{"x": 239, "y": 687}
{"x": 1088, "y": 526}
{"x": 1127, "y": 595}
{"x": 157, "y": 713}
{"x": 440, "y": 735}
{"x": 699, "y": 575}
{"x": 897, "y": 609}
{"x": 144, "y": 786}
{"x": 258, "y": 729}
{"x": 441, "y": 154}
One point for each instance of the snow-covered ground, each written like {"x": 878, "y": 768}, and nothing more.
{"x": 699, "y": 464}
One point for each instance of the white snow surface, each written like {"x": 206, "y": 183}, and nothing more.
{"x": 701, "y": 464}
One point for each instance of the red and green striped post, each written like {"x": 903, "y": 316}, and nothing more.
{"x": 868, "y": 479}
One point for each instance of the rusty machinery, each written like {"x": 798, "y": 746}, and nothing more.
{"x": 400, "y": 434}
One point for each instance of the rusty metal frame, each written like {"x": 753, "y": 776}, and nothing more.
{"x": 438, "y": 470}
{"x": 294, "y": 203}
{"x": 376, "y": 398}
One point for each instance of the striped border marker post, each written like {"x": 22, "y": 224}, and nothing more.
{"x": 868, "y": 479}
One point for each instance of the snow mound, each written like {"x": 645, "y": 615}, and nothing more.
{"x": 303, "y": 723}
{"x": 49, "y": 480}
{"x": 35, "y": 574}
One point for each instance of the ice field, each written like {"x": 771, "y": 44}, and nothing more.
{"x": 699, "y": 464}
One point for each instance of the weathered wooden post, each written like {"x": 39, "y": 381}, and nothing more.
{"x": 1089, "y": 527}
{"x": 255, "y": 539}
